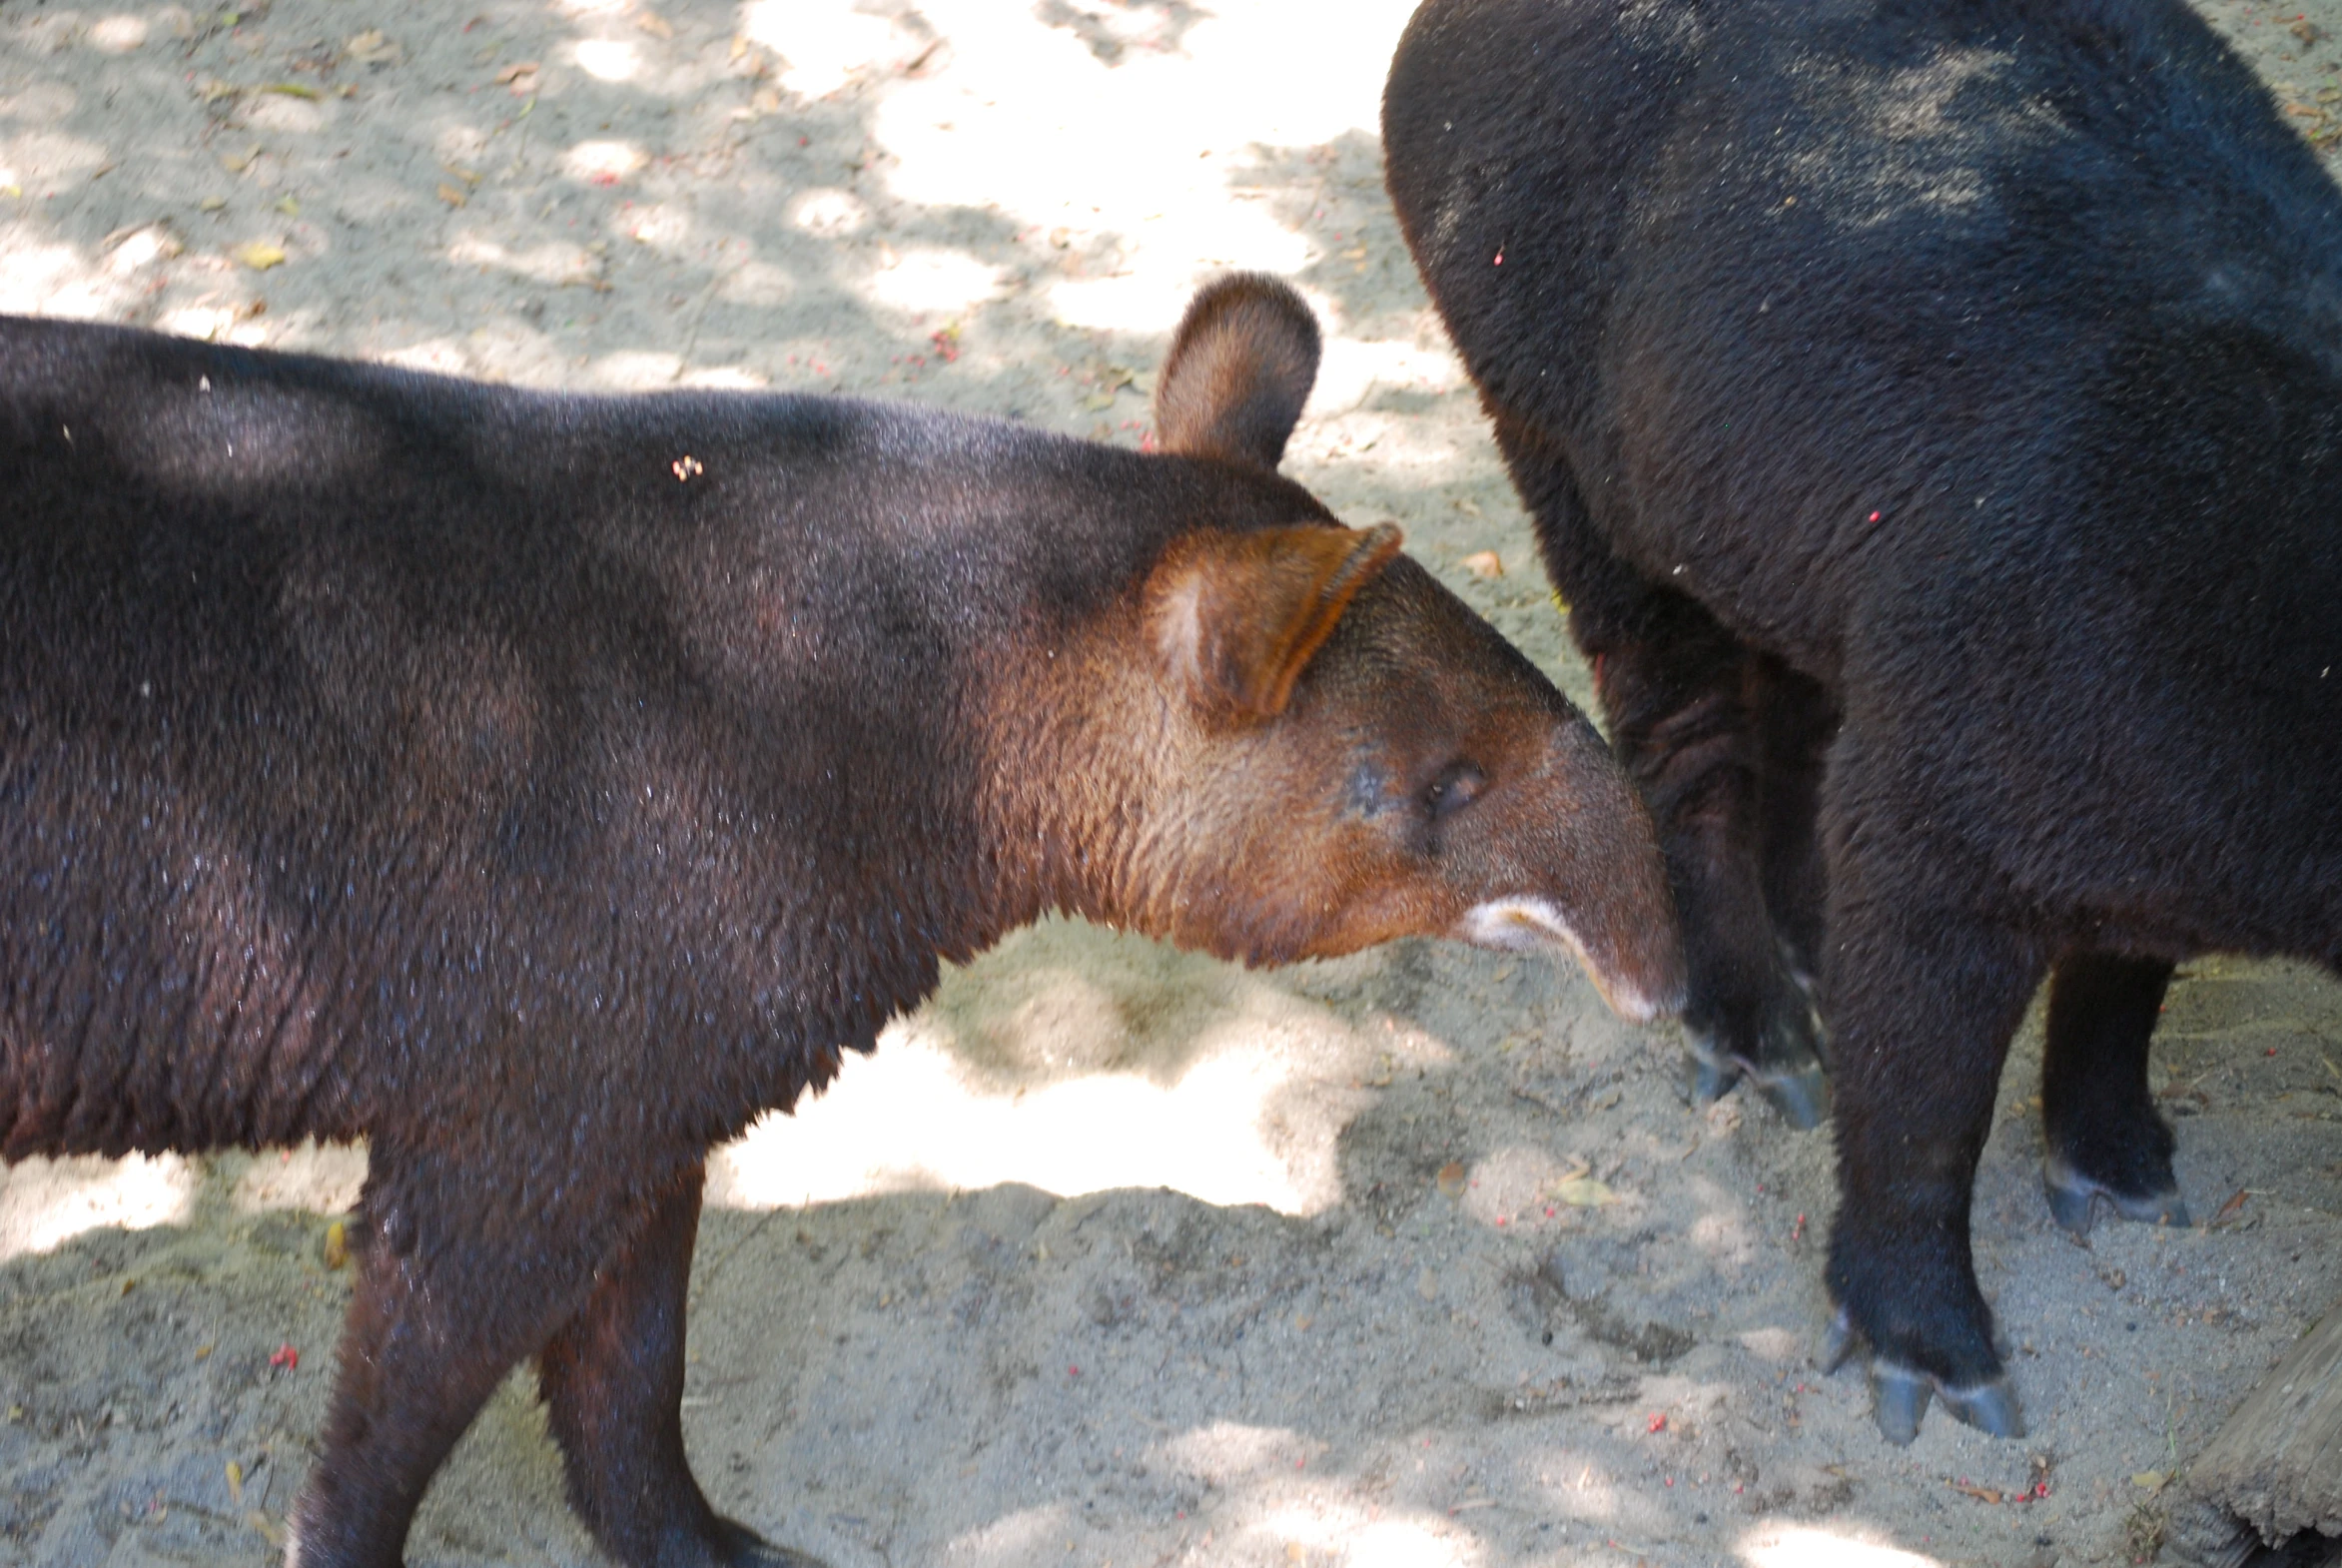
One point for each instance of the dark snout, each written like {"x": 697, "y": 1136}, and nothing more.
{"x": 1572, "y": 865}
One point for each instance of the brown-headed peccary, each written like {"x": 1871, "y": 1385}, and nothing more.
{"x": 541, "y": 787}
{"x": 1931, "y": 411}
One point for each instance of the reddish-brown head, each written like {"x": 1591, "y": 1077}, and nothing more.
{"x": 1294, "y": 743}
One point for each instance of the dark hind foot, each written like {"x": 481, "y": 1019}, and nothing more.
{"x": 1899, "y": 1393}
{"x": 2106, "y": 1144}
{"x": 2074, "y": 1199}
{"x": 741, "y": 1547}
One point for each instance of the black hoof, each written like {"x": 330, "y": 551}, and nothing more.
{"x": 1801, "y": 1095}
{"x": 1989, "y": 1408}
{"x": 1900, "y": 1394}
{"x": 1838, "y": 1349}
{"x": 2075, "y": 1199}
{"x": 1899, "y": 1402}
{"x": 1903, "y": 1397}
{"x": 1706, "y": 1078}
{"x": 744, "y": 1548}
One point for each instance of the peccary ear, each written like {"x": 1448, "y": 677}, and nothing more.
{"x": 1236, "y": 617}
{"x": 1240, "y": 367}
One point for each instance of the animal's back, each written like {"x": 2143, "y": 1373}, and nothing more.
{"x": 1992, "y": 345}
{"x": 355, "y": 727}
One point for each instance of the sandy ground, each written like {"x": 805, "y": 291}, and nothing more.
{"x": 1111, "y": 1255}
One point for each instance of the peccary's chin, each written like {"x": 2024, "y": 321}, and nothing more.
{"x": 1639, "y": 973}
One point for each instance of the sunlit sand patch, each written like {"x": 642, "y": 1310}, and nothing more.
{"x": 1220, "y": 1085}
{"x": 932, "y": 279}
{"x": 556, "y": 261}
{"x": 204, "y": 322}
{"x": 1520, "y": 1183}
{"x": 1293, "y": 1519}
{"x": 1142, "y": 301}
{"x": 1406, "y": 1543}
{"x": 444, "y": 355}
{"x": 117, "y": 35}
{"x": 603, "y": 162}
{"x": 829, "y": 212}
{"x": 633, "y": 369}
{"x": 1779, "y": 1345}
{"x": 908, "y": 1119}
{"x": 322, "y": 1181}
{"x": 724, "y": 377}
{"x": 47, "y": 1203}
{"x": 662, "y": 226}
{"x": 1578, "y": 1488}
{"x": 135, "y": 251}
{"x": 1353, "y": 368}
{"x": 1804, "y": 1546}
{"x": 825, "y": 42}
{"x": 1327, "y": 1528}
{"x": 276, "y": 111}
{"x": 51, "y": 280}
{"x": 610, "y": 59}
{"x": 1013, "y": 1538}
{"x": 965, "y": 136}
{"x": 1230, "y": 1451}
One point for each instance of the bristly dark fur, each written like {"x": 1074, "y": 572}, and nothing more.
{"x": 542, "y": 787}
{"x": 347, "y": 575}
{"x": 1931, "y": 410}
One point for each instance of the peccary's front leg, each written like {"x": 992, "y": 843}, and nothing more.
{"x": 614, "y": 1381}
{"x": 1795, "y": 721}
{"x": 1923, "y": 1001}
{"x": 1679, "y": 701}
{"x": 2106, "y": 1142}
{"x": 1676, "y": 688}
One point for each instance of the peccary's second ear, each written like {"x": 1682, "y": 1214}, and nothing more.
{"x": 1236, "y": 617}
{"x": 1240, "y": 367}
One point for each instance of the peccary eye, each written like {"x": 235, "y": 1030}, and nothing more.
{"x": 1458, "y": 785}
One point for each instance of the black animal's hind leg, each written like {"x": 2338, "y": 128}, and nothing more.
{"x": 1795, "y": 723}
{"x": 614, "y": 1380}
{"x": 1676, "y": 689}
{"x": 1925, "y": 997}
{"x": 2106, "y": 1142}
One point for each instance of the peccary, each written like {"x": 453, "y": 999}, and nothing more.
{"x": 1931, "y": 411}
{"x": 541, "y": 787}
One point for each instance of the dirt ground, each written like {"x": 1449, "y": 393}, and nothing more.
{"x": 1111, "y": 1255}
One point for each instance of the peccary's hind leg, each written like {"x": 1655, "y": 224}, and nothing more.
{"x": 2106, "y": 1142}
{"x": 1676, "y": 689}
{"x": 614, "y": 1380}
{"x": 441, "y": 1313}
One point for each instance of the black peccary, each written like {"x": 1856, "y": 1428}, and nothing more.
{"x": 541, "y": 787}
{"x": 1931, "y": 410}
